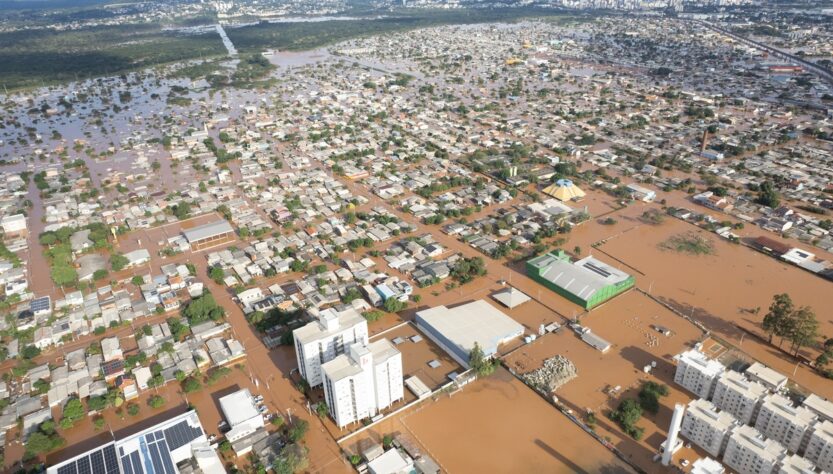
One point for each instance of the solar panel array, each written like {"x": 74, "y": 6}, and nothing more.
{"x": 160, "y": 455}
{"x": 155, "y": 447}
{"x": 100, "y": 461}
{"x": 40, "y": 304}
{"x": 180, "y": 434}
{"x": 131, "y": 463}
{"x": 597, "y": 269}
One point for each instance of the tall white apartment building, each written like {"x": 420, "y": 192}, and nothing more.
{"x": 748, "y": 452}
{"x": 707, "y": 466}
{"x": 704, "y": 426}
{"x": 795, "y": 464}
{"x": 820, "y": 446}
{"x": 365, "y": 380}
{"x": 778, "y": 419}
{"x": 323, "y": 340}
{"x": 735, "y": 394}
{"x": 822, "y": 407}
{"x": 769, "y": 378}
{"x": 697, "y": 373}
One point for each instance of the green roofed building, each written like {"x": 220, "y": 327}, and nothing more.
{"x": 587, "y": 282}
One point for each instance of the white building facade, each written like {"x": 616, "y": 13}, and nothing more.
{"x": 747, "y": 452}
{"x": 322, "y": 341}
{"x": 735, "y": 394}
{"x": 704, "y": 426}
{"x": 779, "y": 420}
{"x": 366, "y": 379}
{"x": 697, "y": 373}
{"x": 820, "y": 446}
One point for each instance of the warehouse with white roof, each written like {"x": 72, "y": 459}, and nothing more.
{"x": 457, "y": 329}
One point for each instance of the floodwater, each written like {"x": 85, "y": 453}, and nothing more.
{"x": 500, "y": 425}
{"x": 722, "y": 290}
{"x": 627, "y": 323}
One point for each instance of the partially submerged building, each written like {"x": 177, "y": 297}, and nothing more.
{"x": 457, "y": 329}
{"x": 587, "y": 282}
{"x": 366, "y": 379}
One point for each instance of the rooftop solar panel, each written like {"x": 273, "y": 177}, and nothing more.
{"x": 110, "y": 461}
{"x": 137, "y": 463}
{"x": 39, "y": 304}
{"x": 83, "y": 466}
{"x": 181, "y": 434}
{"x": 68, "y": 469}
{"x": 156, "y": 459}
{"x": 97, "y": 462}
{"x": 128, "y": 467}
{"x": 166, "y": 459}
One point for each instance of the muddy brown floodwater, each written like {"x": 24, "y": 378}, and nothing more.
{"x": 722, "y": 289}
{"x": 499, "y": 425}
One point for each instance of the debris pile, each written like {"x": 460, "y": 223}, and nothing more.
{"x": 555, "y": 372}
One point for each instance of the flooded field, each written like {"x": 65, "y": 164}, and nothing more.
{"x": 722, "y": 290}
{"x": 501, "y": 415}
{"x": 628, "y": 323}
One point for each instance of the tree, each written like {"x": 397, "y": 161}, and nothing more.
{"x": 97, "y": 403}
{"x": 64, "y": 275}
{"x": 137, "y": 280}
{"x": 768, "y": 196}
{"x": 805, "y": 328}
{"x": 626, "y": 416}
{"x": 778, "y": 320}
{"x": 133, "y": 409}
{"x": 40, "y": 443}
{"x": 650, "y": 394}
{"x": 118, "y": 262}
{"x": 191, "y": 384}
{"x": 41, "y": 386}
{"x": 203, "y": 308}
{"x": 217, "y": 274}
{"x": 293, "y": 458}
{"x": 73, "y": 411}
{"x": 393, "y": 305}
{"x": 182, "y": 210}
{"x": 479, "y": 363}
{"x": 30, "y": 352}
{"x": 156, "y": 401}
{"x": 466, "y": 269}
{"x": 298, "y": 430}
